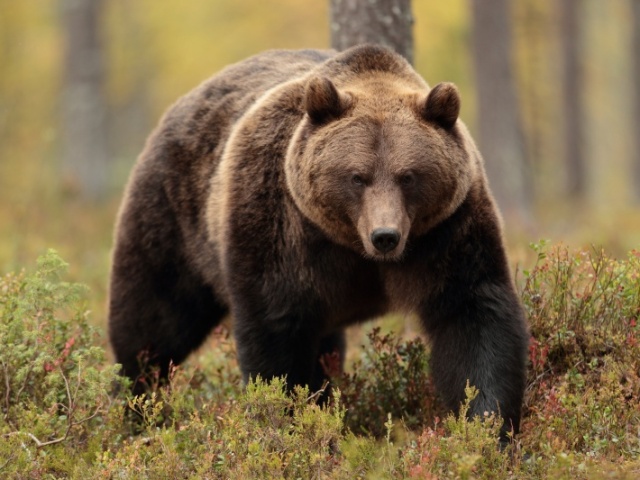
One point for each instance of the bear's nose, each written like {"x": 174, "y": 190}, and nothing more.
{"x": 385, "y": 239}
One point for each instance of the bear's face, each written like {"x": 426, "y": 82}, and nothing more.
{"x": 376, "y": 163}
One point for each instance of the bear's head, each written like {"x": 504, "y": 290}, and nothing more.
{"x": 378, "y": 159}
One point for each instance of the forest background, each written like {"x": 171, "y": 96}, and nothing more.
{"x": 551, "y": 92}
{"x": 574, "y": 70}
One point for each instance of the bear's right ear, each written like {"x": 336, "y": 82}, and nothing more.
{"x": 442, "y": 105}
{"x": 323, "y": 102}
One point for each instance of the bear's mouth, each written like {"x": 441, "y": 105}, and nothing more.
{"x": 385, "y": 257}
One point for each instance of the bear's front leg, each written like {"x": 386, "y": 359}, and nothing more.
{"x": 288, "y": 346}
{"x": 479, "y": 335}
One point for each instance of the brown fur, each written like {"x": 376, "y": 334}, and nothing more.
{"x": 302, "y": 192}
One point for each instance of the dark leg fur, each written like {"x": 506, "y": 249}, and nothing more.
{"x": 329, "y": 345}
{"x": 480, "y": 337}
{"x": 157, "y": 315}
{"x": 287, "y": 350}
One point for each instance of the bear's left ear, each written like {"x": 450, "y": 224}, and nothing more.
{"x": 323, "y": 102}
{"x": 442, "y": 105}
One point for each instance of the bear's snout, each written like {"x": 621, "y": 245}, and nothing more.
{"x": 385, "y": 239}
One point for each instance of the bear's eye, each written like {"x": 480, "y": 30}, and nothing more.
{"x": 357, "y": 180}
{"x": 407, "y": 179}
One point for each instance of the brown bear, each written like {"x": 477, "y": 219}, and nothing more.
{"x": 304, "y": 191}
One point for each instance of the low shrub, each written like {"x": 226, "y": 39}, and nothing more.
{"x": 391, "y": 378}
{"x": 55, "y": 387}
{"x": 584, "y": 386}
{"x": 62, "y": 418}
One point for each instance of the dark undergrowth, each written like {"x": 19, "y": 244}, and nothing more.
{"x": 59, "y": 417}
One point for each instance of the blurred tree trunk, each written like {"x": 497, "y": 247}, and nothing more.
{"x": 572, "y": 88}
{"x": 386, "y": 22}
{"x": 130, "y": 117}
{"x": 499, "y": 123}
{"x": 635, "y": 51}
{"x": 86, "y": 156}
{"x": 6, "y": 58}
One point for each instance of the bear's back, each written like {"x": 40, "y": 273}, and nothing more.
{"x": 172, "y": 177}
{"x": 186, "y": 147}
{"x": 200, "y": 121}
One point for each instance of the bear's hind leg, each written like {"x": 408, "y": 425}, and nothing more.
{"x": 158, "y": 315}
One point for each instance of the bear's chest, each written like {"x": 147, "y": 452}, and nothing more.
{"x": 360, "y": 295}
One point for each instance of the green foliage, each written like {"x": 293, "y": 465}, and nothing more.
{"x": 584, "y": 388}
{"x": 460, "y": 448}
{"x": 271, "y": 434}
{"x": 392, "y": 378}
{"x": 263, "y": 433}
{"x": 55, "y": 387}
{"x": 580, "y": 421}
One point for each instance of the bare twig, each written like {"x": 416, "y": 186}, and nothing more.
{"x": 7, "y": 397}
{"x": 315, "y": 395}
{"x": 32, "y": 362}
{"x": 71, "y": 423}
{"x": 2, "y": 467}
{"x": 35, "y": 439}
{"x": 69, "y": 398}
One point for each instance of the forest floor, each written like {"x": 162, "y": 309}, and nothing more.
{"x": 60, "y": 417}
